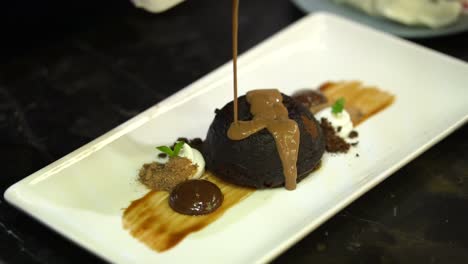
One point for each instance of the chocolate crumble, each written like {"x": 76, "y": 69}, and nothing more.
{"x": 164, "y": 177}
{"x": 196, "y": 143}
{"x": 333, "y": 142}
{"x": 353, "y": 134}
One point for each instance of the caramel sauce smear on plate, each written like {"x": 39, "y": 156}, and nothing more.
{"x": 152, "y": 221}
{"x": 362, "y": 101}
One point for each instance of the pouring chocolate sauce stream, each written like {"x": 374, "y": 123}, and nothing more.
{"x": 268, "y": 111}
{"x": 235, "y": 34}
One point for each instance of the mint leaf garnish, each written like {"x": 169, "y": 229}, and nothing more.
{"x": 166, "y": 150}
{"x": 338, "y": 106}
{"x": 178, "y": 147}
{"x": 172, "y": 153}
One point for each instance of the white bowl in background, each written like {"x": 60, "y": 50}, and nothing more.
{"x": 156, "y": 6}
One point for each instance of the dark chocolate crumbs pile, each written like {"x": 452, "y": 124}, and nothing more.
{"x": 164, "y": 177}
{"x": 333, "y": 142}
{"x": 353, "y": 134}
{"x": 195, "y": 143}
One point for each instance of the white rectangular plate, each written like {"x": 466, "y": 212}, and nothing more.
{"x": 82, "y": 195}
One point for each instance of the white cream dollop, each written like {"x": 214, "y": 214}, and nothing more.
{"x": 341, "y": 122}
{"x": 193, "y": 155}
{"x": 431, "y": 13}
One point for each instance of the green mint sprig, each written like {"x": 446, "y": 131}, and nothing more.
{"x": 172, "y": 152}
{"x": 338, "y": 106}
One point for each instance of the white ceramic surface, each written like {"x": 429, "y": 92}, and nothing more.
{"x": 82, "y": 195}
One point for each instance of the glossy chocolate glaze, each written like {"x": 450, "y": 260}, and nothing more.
{"x": 254, "y": 161}
{"x": 268, "y": 111}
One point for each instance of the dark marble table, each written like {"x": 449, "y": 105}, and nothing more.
{"x": 70, "y": 71}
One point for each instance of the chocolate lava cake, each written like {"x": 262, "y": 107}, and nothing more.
{"x": 254, "y": 161}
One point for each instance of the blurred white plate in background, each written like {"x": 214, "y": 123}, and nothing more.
{"x": 379, "y": 23}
